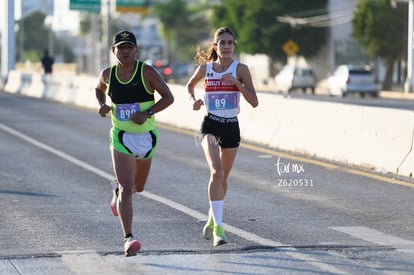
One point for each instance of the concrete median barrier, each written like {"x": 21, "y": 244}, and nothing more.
{"x": 378, "y": 138}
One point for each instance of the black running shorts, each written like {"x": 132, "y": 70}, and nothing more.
{"x": 226, "y": 130}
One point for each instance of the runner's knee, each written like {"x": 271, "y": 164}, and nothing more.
{"x": 217, "y": 176}
{"x": 126, "y": 189}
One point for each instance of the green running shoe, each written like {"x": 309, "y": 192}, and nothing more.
{"x": 218, "y": 235}
{"x": 208, "y": 231}
{"x": 209, "y": 227}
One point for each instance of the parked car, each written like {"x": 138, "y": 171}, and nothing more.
{"x": 291, "y": 78}
{"x": 348, "y": 79}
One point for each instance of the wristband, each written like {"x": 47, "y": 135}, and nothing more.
{"x": 150, "y": 112}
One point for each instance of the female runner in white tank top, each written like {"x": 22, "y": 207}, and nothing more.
{"x": 225, "y": 81}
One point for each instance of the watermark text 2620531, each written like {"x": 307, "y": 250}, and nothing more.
{"x": 294, "y": 182}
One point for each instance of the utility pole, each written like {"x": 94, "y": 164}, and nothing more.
{"x": 107, "y": 39}
{"x": 7, "y": 38}
{"x": 408, "y": 85}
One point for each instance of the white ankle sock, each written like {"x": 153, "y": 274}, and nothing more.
{"x": 217, "y": 211}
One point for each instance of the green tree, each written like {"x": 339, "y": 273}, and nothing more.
{"x": 379, "y": 28}
{"x": 85, "y": 25}
{"x": 258, "y": 31}
{"x": 33, "y": 43}
{"x": 181, "y": 25}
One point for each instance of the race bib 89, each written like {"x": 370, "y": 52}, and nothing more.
{"x": 222, "y": 101}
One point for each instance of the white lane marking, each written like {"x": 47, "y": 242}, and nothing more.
{"x": 188, "y": 211}
{"x": 377, "y": 237}
{"x": 61, "y": 154}
{"x": 264, "y": 156}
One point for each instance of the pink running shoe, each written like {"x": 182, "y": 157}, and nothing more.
{"x": 115, "y": 189}
{"x": 132, "y": 246}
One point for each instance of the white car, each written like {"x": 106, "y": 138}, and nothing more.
{"x": 348, "y": 79}
{"x": 291, "y": 78}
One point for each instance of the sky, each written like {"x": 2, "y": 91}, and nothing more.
{"x": 65, "y": 19}
{"x": 62, "y": 19}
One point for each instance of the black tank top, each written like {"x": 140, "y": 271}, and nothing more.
{"x": 131, "y": 91}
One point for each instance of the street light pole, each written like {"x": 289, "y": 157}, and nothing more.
{"x": 408, "y": 85}
{"x": 106, "y": 41}
{"x": 8, "y": 59}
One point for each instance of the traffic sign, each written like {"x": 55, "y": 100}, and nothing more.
{"x": 134, "y": 6}
{"x": 86, "y": 5}
{"x": 290, "y": 47}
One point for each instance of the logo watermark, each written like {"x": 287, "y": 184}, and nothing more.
{"x": 198, "y": 139}
{"x": 288, "y": 167}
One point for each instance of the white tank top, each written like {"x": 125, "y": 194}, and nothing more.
{"x": 221, "y": 98}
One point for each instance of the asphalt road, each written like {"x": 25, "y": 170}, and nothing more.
{"x": 284, "y": 214}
